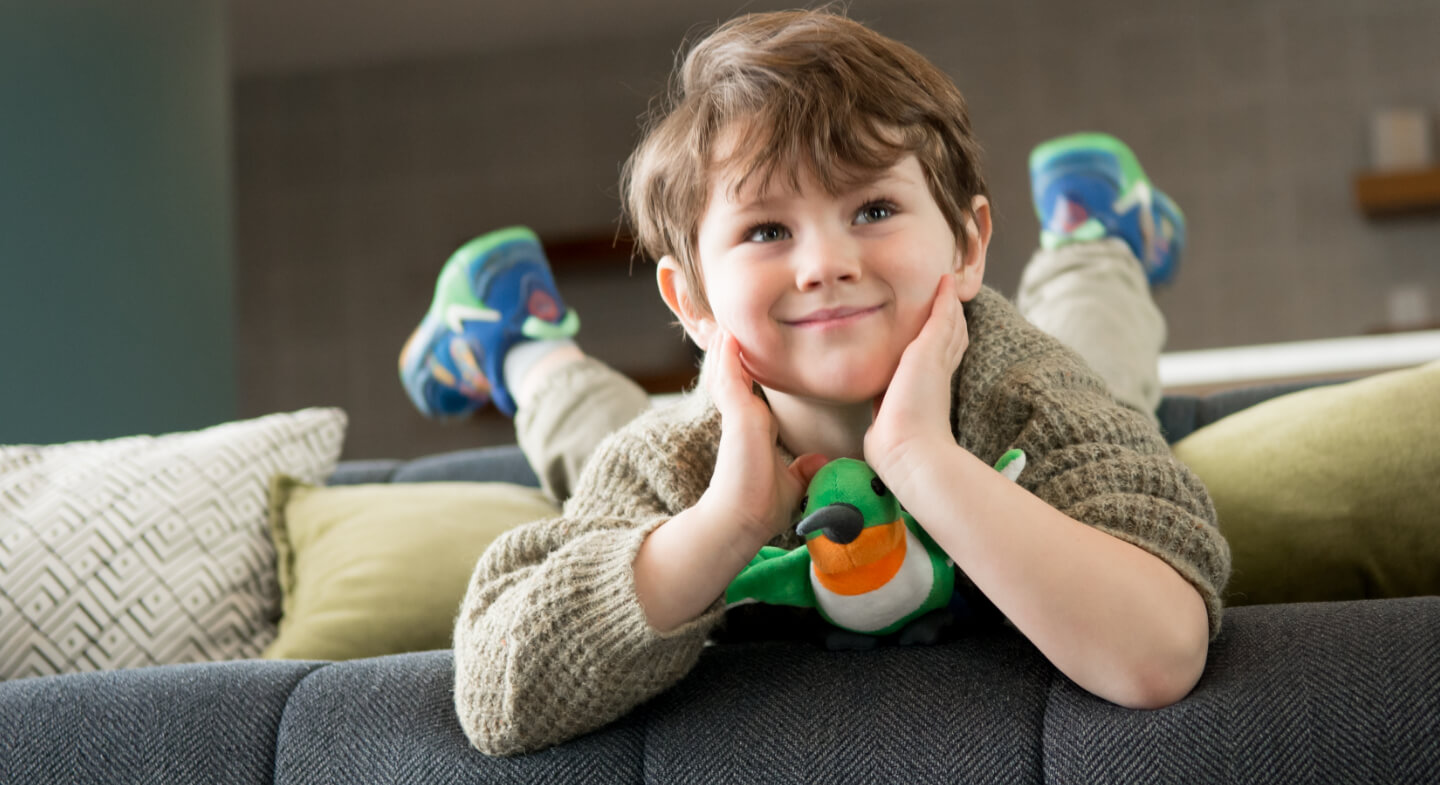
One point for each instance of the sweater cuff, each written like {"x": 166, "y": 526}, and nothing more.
{"x": 1189, "y": 546}
{"x": 619, "y": 622}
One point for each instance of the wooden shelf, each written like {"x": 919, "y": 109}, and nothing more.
{"x": 601, "y": 247}
{"x": 1383, "y": 194}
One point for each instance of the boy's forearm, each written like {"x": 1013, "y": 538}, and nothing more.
{"x": 1114, "y": 618}
{"x": 551, "y": 643}
{"x": 686, "y": 563}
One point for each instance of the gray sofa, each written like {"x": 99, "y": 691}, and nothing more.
{"x": 1337, "y": 692}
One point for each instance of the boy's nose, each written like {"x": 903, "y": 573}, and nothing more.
{"x": 825, "y": 259}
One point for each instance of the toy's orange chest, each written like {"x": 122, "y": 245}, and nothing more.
{"x": 891, "y": 580}
{"x": 865, "y": 564}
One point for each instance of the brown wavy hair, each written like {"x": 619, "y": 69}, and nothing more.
{"x": 811, "y": 91}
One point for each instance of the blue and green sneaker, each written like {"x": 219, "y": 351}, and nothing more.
{"x": 494, "y": 292}
{"x": 1088, "y": 186}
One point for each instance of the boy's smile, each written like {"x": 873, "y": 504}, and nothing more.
{"x": 827, "y": 318}
{"x": 824, "y": 291}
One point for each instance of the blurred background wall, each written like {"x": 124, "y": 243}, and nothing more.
{"x": 371, "y": 138}
{"x": 356, "y": 182}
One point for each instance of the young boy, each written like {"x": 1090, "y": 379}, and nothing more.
{"x": 821, "y": 224}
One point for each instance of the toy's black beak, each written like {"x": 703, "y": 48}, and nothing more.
{"x": 839, "y": 522}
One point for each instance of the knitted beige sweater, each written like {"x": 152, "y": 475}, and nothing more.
{"x": 551, "y": 641}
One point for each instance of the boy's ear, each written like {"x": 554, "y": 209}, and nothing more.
{"x": 674, "y": 290}
{"x": 970, "y": 256}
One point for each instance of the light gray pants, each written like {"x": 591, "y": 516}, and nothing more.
{"x": 1092, "y": 296}
{"x": 572, "y": 410}
{"x": 1095, "y": 299}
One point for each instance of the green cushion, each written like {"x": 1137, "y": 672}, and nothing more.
{"x": 1331, "y": 493}
{"x": 369, "y": 570}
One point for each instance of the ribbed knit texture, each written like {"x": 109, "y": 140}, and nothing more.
{"x": 552, "y": 642}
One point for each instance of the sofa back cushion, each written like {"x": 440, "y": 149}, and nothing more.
{"x": 148, "y": 550}
{"x": 1329, "y": 493}
{"x": 367, "y": 570}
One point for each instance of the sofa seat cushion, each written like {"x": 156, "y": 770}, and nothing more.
{"x": 1301, "y": 692}
{"x": 213, "y": 722}
{"x": 392, "y": 719}
{"x": 966, "y": 711}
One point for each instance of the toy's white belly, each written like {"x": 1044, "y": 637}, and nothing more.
{"x": 878, "y": 609}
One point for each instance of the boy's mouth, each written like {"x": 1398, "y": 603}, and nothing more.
{"x": 833, "y": 317}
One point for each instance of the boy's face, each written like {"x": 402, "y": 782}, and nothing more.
{"x": 824, "y": 292}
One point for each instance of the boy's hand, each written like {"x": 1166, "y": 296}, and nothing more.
{"x": 751, "y": 483}
{"x": 913, "y": 414}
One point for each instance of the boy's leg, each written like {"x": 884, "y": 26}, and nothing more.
{"x": 499, "y": 332}
{"x": 1094, "y": 298}
{"x": 568, "y": 408}
{"x": 1106, "y": 236}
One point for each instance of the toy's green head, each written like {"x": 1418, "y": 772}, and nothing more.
{"x": 844, "y": 497}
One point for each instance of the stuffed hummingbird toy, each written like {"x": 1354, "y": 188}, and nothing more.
{"x": 866, "y": 566}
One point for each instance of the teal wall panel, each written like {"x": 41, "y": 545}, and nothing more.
{"x": 116, "y": 261}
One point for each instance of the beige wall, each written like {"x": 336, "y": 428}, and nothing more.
{"x": 355, "y": 185}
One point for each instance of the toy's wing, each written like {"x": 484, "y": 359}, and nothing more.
{"x": 775, "y": 576}
{"x": 1011, "y": 464}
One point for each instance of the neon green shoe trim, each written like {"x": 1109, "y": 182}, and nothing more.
{"x": 453, "y": 286}
{"x": 539, "y": 329}
{"x": 1086, "y": 232}
{"x": 1129, "y": 165}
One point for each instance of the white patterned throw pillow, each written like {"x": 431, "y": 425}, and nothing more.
{"x": 148, "y": 550}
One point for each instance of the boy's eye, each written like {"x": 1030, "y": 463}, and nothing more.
{"x": 874, "y": 211}
{"x": 766, "y": 233}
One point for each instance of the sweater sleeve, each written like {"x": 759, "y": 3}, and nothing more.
{"x": 1106, "y": 465}
{"x": 551, "y": 641}
{"x": 1087, "y": 455}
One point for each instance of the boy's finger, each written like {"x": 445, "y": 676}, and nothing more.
{"x": 806, "y": 466}
{"x": 939, "y": 325}
{"x": 728, "y": 378}
{"x": 730, "y": 359}
{"x": 939, "y": 346}
{"x": 946, "y": 324}
{"x": 717, "y": 373}
{"x": 946, "y": 300}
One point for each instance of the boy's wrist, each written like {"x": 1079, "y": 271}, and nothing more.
{"x": 915, "y": 465}
{"x": 685, "y": 564}
{"x": 745, "y": 533}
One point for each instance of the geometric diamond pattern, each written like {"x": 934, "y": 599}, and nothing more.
{"x": 148, "y": 550}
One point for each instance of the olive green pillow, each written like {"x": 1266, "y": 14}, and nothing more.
{"x": 369, "y": 570}
{"x": 1331, "y": 493}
